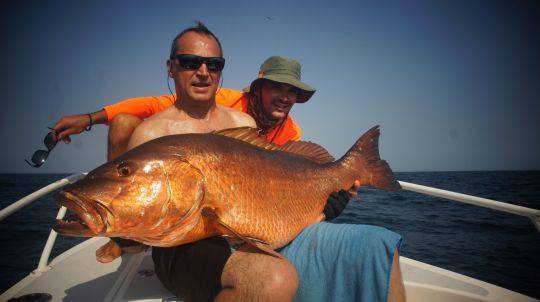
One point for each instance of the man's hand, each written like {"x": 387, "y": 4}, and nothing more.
{"x": 338, "y": 201}
{"x": 76, "y": 124}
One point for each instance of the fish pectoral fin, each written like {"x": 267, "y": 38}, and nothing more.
{"x": 264, "y": 248}
{"x": 260, "y": 246}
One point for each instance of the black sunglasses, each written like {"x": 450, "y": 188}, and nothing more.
{"x": 188, "y": 61}
{"x": 40, "y": 156}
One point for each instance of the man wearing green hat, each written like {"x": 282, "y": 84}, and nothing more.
{"x": 334, "y": 262}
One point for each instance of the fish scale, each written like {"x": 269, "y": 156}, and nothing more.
{"x": 276, "y": 196}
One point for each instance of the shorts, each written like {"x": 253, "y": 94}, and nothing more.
{"x": 192, "y": 271}
{"x": 343, "y": 262}
{"x": 335, "y": 262}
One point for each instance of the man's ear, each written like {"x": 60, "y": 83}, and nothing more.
{"x": 169, "y": 68}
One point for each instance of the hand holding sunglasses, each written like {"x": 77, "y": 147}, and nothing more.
{"x": 40, "y": 156}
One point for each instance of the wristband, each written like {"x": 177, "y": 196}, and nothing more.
{"x": 89, "y": 126}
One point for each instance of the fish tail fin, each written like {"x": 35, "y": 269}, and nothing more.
{"x": 363, "y": 159}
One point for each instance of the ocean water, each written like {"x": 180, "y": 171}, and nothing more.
{"x": 495, "y": 247}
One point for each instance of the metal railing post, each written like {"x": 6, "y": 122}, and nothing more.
{"x": 44, "y": 259}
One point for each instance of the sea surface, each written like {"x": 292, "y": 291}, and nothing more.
{"x": 495, "y": 247}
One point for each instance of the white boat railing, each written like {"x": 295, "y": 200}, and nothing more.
{"x": 532, "y": 214}
{"x": 14, "y": 207}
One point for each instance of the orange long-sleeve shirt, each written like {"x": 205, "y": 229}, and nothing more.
{"x": 144, "y": 107}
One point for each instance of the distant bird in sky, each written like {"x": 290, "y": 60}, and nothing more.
{"x": 268, "y": 18}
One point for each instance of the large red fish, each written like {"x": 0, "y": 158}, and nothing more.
{"x": 183, "y": 188}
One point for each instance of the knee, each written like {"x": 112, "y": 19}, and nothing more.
{"x": 281, "y": 282}
{"x": 122, "y": 126}
{"x": 249, "y": 276}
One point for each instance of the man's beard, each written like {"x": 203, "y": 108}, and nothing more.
{"x": 255, "y": 109}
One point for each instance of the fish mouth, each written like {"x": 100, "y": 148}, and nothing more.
{"x": 89, "y": 218}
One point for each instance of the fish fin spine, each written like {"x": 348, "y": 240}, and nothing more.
{"x": 304, "y": 149}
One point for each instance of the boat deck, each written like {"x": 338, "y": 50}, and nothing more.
{"x": 76, "y": 276}
{"x": 79, "y": 277}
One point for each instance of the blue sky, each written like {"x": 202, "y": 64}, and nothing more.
{"x": 455, "y": 85}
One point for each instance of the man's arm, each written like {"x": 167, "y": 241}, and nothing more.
{"x": 141, "y": 107}
{"x": 76, "y": 124}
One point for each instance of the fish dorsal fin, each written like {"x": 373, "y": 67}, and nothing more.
{"x": 309, "y": 150}
{"x": 211, "y": 214}
{"x": 248, "y": 135}
{"x": 252, "y": 136}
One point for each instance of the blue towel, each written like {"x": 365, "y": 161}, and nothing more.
{"x": 343, "y": 262}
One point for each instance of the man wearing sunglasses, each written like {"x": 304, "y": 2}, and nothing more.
{"x": 207, "y": 269}
{"x": 203, "y": 269}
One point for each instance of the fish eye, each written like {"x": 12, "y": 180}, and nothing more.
{"x": 123, "y": 169}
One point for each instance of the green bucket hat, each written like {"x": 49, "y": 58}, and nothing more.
{"x": 284, "y": 70}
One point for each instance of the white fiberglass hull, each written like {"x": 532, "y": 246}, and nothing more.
{"x": 76, "y": 276}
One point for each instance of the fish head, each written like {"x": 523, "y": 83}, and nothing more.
{"x": 141, "y": 195}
